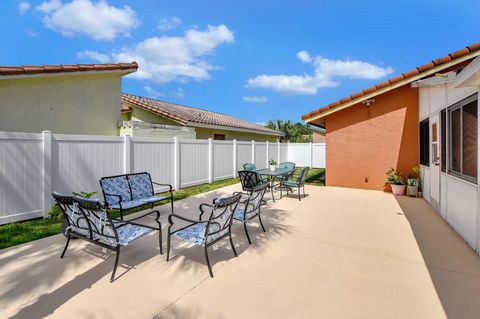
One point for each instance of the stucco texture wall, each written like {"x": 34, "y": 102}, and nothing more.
{"x": 363, "y": 142}
{"x": 75, "y": 104}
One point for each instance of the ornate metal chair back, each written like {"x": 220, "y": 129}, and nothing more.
{"x": 221, "y": 217}
{"x": 249, "y": 179}
{"x": 249, "y": 167}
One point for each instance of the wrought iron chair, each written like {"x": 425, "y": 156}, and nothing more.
{"x": 207, "y": 232}
{"x": 298, "y": 183}
{"x": 249, "y": 179}
{"x": 88, "y": 219}
{"x": 250, "y": 208}
{"x": 249, "y": 167}
{"x": 287, "y": 165}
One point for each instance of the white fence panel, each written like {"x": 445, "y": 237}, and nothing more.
{"x": 273, "y": 151}
{"x": 261, "y": 155}
{"x": 155, "y": 156}
{"x": 33, "y": 165}
{"x": 319, "y": 155}
{"x": 299, "y": 153}
{"x": 284, "y": 153}
{"x": 222, "y": 160}
{"x": 21, "y": 192}
{"x": 194, "y": 164}
{"x": 78, "y": 162}
{"x": 244, "y": 154}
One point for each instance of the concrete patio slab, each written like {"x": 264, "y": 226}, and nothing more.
{"x": 339, "y": 253}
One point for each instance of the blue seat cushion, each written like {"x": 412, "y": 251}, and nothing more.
{"x": 138, "y": 202}
{"x": 290, "y": 184}
{"x": 128, "y": 232}
{"x": 239, "y": 214}
{"x": 194, "y": 233}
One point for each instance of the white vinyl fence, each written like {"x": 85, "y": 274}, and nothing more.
{"x": 32, "y": 165}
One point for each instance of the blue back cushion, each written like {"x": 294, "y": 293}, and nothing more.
{"x": 117, "y": 185}
{"x": 141, "y": 185}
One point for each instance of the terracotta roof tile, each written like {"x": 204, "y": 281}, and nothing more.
{"x": 442, "y": 60}
{"x": 187, "y": 115}
{"x": 396, "y": 79}
{"x": 357, "y": 95}
{"x": 60, "y": 68}
{"x": 418, "y": 70}
{"x": 411, "y": 73}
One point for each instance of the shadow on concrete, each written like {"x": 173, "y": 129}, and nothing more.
{"x": 453, "y": 266}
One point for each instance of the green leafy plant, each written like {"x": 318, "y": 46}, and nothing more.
{"x": 394, "y": 178}
{"x": 56, "y": 212}
{"x": 272, "y": 162}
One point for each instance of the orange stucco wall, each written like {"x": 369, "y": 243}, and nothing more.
{"x": 363, "y": 142}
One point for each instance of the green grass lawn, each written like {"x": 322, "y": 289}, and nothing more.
{"x": 22, "y": 232}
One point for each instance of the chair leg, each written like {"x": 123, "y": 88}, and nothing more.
{"x": 117, "y": 251}
{"x": 233, "y": 246}
{"x": 261, "y": 223}
{"x": 168, "y": 243}
{"x": 121, "y": 214}
{"x": 299, "y": 198}
{"x": 171, "y": 203}
{"x": 304, "y": 191}
{"x": 65, "y": 249}
{"x": 246, "y": 232}
{"x": 208, "y": 260}
{"x": 160, "y": 243}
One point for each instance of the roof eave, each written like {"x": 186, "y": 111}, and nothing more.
{"x": 229, "y": 128}
{"x": 60, "y": 74}
{"x": 393, "y": 86}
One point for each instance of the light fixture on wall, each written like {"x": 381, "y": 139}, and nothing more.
{"x": 368, "y": 102}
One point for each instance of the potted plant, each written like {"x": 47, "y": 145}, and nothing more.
{"x": 413, "y": 182}
{"x": 396, "y": 181}
{"x": 57, "y": 213}
{"x": 272, "y": 164}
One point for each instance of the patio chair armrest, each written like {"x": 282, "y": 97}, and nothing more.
{"x": 193, "y": 221}
{"x": 201, "y": 209}
{"x": 160, "y": 184}
{"x": 120, "y": 198}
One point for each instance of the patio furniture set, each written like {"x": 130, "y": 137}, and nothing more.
{"x": 89, "y": 219}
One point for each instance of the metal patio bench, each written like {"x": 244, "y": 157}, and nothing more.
{"x": 210, "y": 231}
{"x": 129, "y": 191}
{"x": 88, "y": 219}
{"x": 250, "y": 208}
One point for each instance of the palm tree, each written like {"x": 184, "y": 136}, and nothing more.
{"x": 293, "y": 132}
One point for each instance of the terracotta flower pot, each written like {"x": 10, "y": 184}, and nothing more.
{"x": 398, "y": 189}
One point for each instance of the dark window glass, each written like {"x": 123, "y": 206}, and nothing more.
{"x": 469, "y": 131}
{"x": 219, "y": 137}
{"x": 443, "y": 139}
{"x": 455, "y": 140}
{"x": 424, "y": 143}
{"x": 463, "y": 135}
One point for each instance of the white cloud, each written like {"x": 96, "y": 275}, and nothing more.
{"x": 48, "y": 7}
{"x": 152, "y": 93}
{"x": 326, "y": 74}
{"x": 23, "y": 7}
{"x": 169, "y": 24}
{"x": 255, "y": 99}
{"x": 97, "y": 20}
{"x": 165, "y": 59}
{"x": 261, "y": 123}
{"x": 93, "y": 55}
{"x": 179, "y": 93}
{"x": 304, "y": 56}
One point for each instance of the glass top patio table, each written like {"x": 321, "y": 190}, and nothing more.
{"x": 278, "y": 171}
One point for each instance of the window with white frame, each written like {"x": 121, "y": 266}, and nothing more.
{"x": 462, "y": 134}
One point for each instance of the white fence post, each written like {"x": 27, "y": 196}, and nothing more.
{"x": 267, "y": 154}
{"x": 311, "y": 154}
{"x": 253, "y": 152}
{"x": 176, "y": 162}
{"x": 234, "y": 158}
{"x": 210, "y": 160}
{"x": 47, "y": 172}
{"x": 278, "y": 152}
{"x": 127, "y": 140}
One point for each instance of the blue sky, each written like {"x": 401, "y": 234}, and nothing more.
{"x": 257, "y": 60}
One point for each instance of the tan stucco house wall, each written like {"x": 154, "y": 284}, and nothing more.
{"x": 76, "y": 104}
